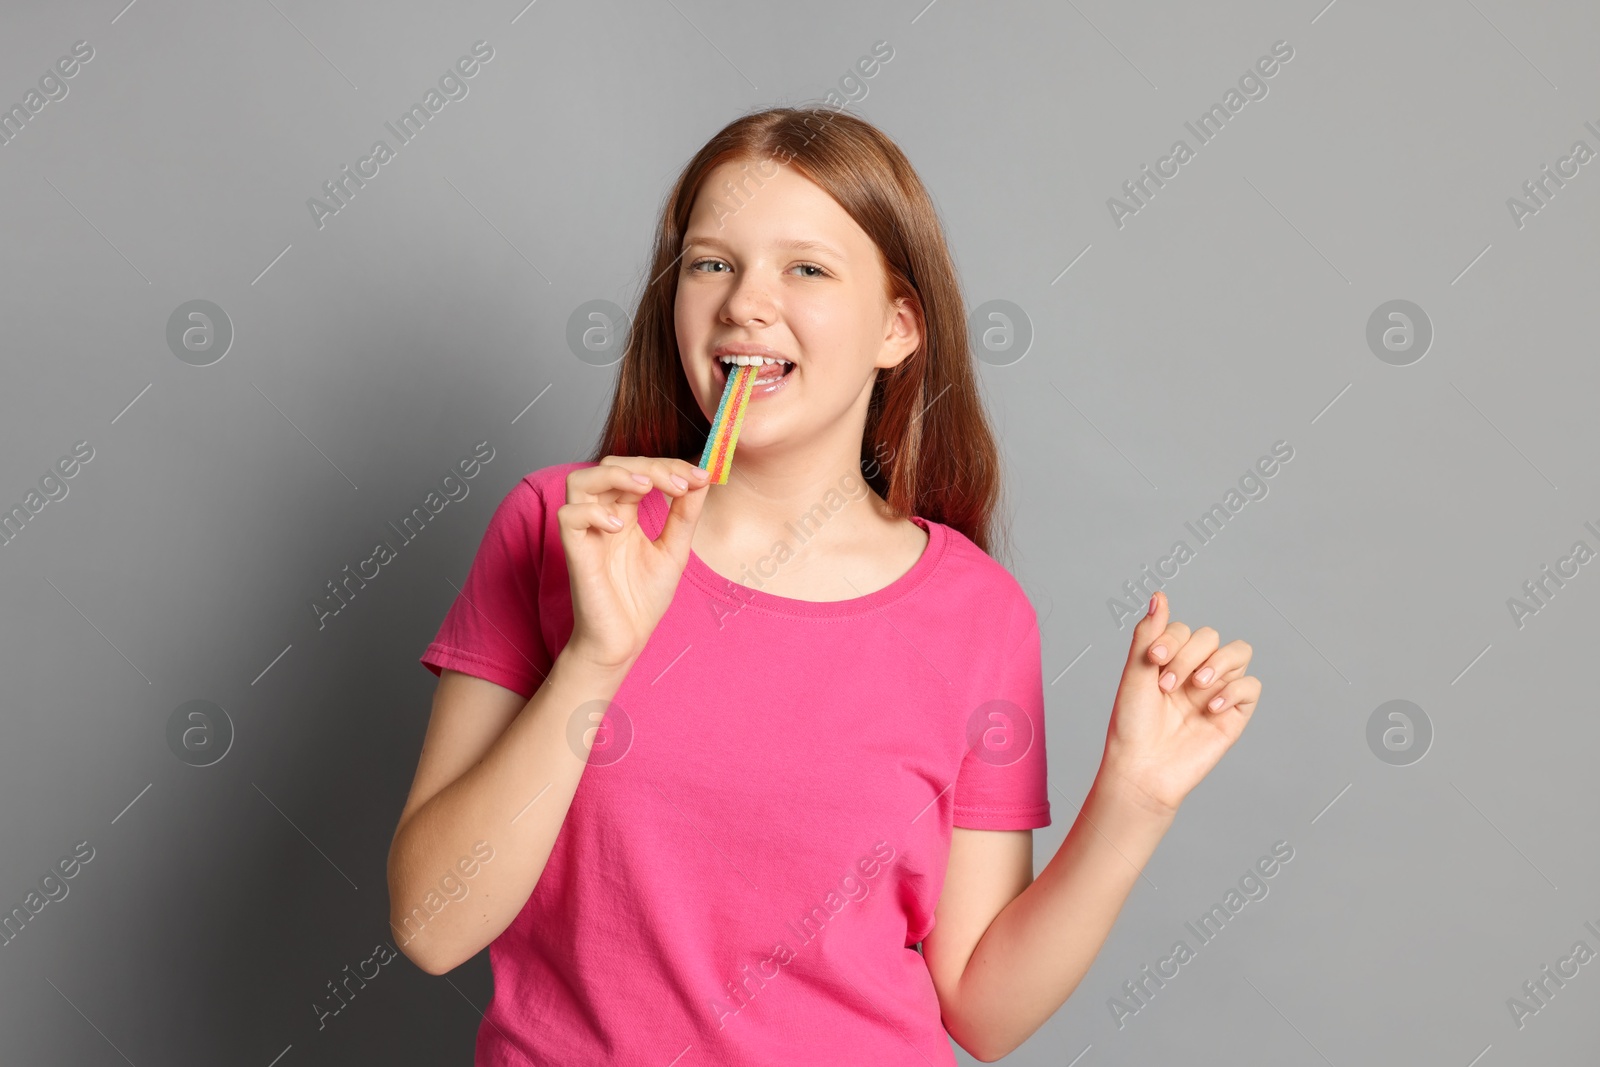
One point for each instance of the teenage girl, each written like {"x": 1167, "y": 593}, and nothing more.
{"x": 756, "y": 765}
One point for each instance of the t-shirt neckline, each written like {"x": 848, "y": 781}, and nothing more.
{"x": 700, "y": 572}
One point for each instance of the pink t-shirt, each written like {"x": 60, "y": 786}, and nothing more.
{"x": 758, "y": 842}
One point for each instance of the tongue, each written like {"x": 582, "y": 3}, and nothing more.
{"x": 765, "y": 372}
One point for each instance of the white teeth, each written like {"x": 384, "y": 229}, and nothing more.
{"x": 745, "y": 361}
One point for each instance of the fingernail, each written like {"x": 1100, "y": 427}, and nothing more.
{"x": 1159, "y": 652}
{"x": 1152, "y": 610}
{"x": 1168, "y": 679}
{"x": 679, "y": 482}
{"x": 614, "y": 522}
{"x": 1216, "y": 702}
{"x": 701, "y": 472}
{"x": 1204, "y": 676}
{"x": 641, "y": 479}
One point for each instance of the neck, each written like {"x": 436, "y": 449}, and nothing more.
{"x": 823, "y": 501}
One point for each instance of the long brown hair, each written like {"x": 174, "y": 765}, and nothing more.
{"x": 927, "y": 448}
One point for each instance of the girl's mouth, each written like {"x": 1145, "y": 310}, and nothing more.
{"x": 767, "y": 376}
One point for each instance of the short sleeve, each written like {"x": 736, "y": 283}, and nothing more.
{"x": 492, "y": 629}
{"x": 1003, "y": 782}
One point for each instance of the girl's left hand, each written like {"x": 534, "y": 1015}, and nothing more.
{"x": 1164, "y": 735}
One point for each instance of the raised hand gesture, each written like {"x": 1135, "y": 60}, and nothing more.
{"x": 1181, "y": 704}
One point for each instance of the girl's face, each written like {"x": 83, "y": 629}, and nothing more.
{"x": 791, "y": 271}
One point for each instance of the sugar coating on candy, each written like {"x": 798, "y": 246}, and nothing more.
{"x": 717, "y": 458}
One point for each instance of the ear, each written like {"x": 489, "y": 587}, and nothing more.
{"x": 903, "y": 336}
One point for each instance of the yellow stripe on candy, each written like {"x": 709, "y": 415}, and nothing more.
{"x": 717, "y": 458}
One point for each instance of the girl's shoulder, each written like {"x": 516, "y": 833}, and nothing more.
{"x": 527, "y": 511}
{"x": 969, "y": 575}
{"x": 540, "y": 491}
{"x": 551, "y": 482}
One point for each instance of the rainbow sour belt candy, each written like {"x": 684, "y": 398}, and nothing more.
{"x": 718, "y": 455}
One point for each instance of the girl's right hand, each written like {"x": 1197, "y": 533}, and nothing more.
{"x": 622, "y": 582}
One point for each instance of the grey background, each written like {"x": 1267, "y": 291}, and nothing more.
{"x": 371, "y": 354}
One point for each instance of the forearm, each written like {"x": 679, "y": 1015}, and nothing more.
{"x": 1040, "y": 946}
{"x": 494, "y": 802}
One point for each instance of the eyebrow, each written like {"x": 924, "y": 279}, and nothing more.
{"x": 794, "y": 244}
